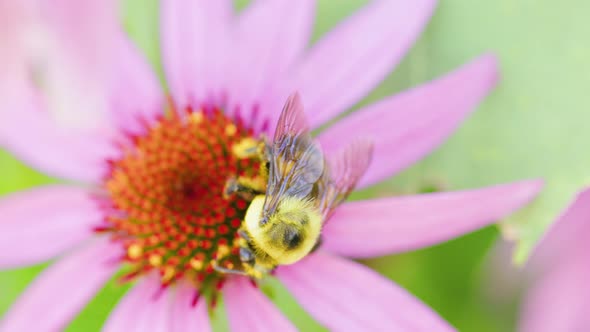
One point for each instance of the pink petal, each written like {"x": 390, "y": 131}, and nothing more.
{"x": 185, "y": 316}
{"x": 62, "y": 290}
{"x": 71, "y": 51}
{"x": 64, "y": 45}
{"x": 352, "y": 59}
{"x": 559, "y": 301}
{"x": 31, "y": 134}
{"x": 194, "y": 38}
{"x": 249, "y": 310}
{"x": 40, "y": 224}
{"x": 567, "y": 236}
{"x": 346, "y": 296}
{"x": 409, "y": 125}
{"x": 135, "y": 91}
{"x": 81, "y": 62}
{"x": 141, "y": 310}
{"x": 271, "y": 36}
{"x": 389, "y": 225}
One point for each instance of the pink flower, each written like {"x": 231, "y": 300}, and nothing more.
{"x": 142, "y": 185}
{"x": 559, "y": 295}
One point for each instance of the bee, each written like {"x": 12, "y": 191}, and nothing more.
{"x": 295, "y": 193}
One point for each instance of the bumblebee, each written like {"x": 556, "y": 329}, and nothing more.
{"x": 294, "y": 195}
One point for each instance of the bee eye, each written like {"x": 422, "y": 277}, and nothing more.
{"x": 291, "y": 238}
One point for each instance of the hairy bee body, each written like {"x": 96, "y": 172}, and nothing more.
{"x": 294, "y": 194}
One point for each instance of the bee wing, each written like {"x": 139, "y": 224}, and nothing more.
{"x": 297, "y": 162}
{"x": 292, "y": 122}
{"x": 346, "y": 169}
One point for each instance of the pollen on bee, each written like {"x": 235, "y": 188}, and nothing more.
{"x": 245, "y": 148}
{"x": 134, "y": 251}
{"x": 240, "y": 242}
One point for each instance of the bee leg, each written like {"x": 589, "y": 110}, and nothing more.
{"x": 225, "y": 270}
{"x": 317, "y": 244}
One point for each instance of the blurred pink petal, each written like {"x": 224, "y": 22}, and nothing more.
{"x": 61, "y": 46}
{"x": 567, "y": 236}
{"x": 135, "y": 90}
{"x": 346, "y": 296}
{"x": 62, "y": 290}
{"x": 395, "y": 224}
{"x": 32, "y": 136}
{"x": 194, "y": 38}
{"x": 271, "y": 36}
{"x": 58, "y": 49}
{"x": 353, "y": 58}
{"x": 248, "y": 310}
{"x": 559, "y": 294}
{"x": 141, "y": 310}
{"x": 74, "y": 52}
{"x": 559, "y": 301}
{"x": 42, "y": 223}
{"x": 409, "y": 125}
{"x": 184, "y": 316}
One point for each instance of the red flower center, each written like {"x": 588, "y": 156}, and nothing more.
{"x": 166, "y": 196}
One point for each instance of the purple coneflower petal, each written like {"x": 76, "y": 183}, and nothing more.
{"x": 135, "y": 91}
{"x": 346, "y": 296}
{"x": 75, "y": 44}
{"x": 248, "y": 310}
{"x": 33, "y": 136}
{"x": 194, "y": 36}
{"x": 559, "y": 301}
{"x": 40, "y": 224}
{"x": 45, "y": 306}
{"x": 567, "y": 236}
{"x": 389, "y": 225}
{"x": 141, "y": 309}
{"x": 272, "y": 35}
{"x": 353, "y": 58}
{"x": 407, "y": 126}
{"x": 185, "y": 316}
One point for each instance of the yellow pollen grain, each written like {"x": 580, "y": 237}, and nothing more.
{"x": 231, "y": 129}
{"x": 169, "y": 273}
{"x": 196, "y": 264}
{"x": 196, "y": 117}
{"x": 134, "y": 251}
{"x": 155, "y": 260}
{"x": 222, "y": 251}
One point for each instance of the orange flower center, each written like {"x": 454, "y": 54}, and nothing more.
{"x": 166, "y": 196}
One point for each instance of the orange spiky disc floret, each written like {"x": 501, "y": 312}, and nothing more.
{"x": 166, "y": 196}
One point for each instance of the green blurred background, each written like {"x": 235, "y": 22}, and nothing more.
{"x": 533, "y": 125}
